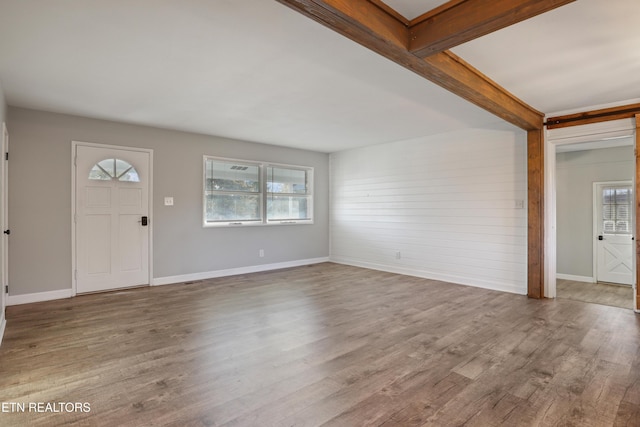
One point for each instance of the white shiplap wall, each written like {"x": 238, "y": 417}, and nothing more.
{"x": 447, "y": 204}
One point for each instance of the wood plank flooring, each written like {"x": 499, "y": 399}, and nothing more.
{"x": 597, "y": 293}
{"x": 320, "y": 345}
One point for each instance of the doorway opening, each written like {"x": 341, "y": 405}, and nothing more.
{"x": 591, "y": 214}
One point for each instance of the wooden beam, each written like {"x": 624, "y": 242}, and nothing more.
{"x": 457, "y": 76}
{"x": 372, "y": 27}
{"x": 535, "y": 206}
{"x": 637, "y": 197}
{"x": 434, "y": 12}
{"x": 595, "y": 116}
{"x": 459, "y": 22}
{"x": 367, "y": 24}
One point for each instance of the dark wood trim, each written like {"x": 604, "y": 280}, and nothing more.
{"x": 358, "y": 20}
{"x": 637, "y": 191}
{"x": 365, "y": 23}
{"x": 595, "y": 116}
{"x": 535, "y": 187}
{"x": 470, "y": 19}
{"x": 435, "y": 11}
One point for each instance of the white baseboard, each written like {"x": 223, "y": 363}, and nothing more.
{"x": 159, "y": 281}
{"x": 3, "y": 326}
{"x": 459, "y": 280}
{"x": 39, "y": 297}
{"x": 575, "y": 278}
{"x": 68, "y": 293}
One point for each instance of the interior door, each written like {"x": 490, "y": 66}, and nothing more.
{"x": 614, "y": 226}
{"x": 111, "y": 218}
{"x": 4, "y": 224}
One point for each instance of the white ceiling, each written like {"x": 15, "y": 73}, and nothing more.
{"x": 411, "y": 9}
{"x": 258, "y": 71}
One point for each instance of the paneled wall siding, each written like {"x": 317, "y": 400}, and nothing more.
{"x": 449, "y": 207}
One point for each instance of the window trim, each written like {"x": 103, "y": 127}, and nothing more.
{"x": 263, "y": 168}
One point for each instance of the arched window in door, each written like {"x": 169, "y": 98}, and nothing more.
{"x": 114, "y": 169}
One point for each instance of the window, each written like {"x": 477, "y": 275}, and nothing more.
{"x": 616, "y": 209}
{"x": 114, "y": 170}
{"x": 288, "y": 194}
{"x": 238, "y": 192}
{"x": 232, "y": 192}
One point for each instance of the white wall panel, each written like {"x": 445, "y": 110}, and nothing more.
{"x": 446, "y": 204}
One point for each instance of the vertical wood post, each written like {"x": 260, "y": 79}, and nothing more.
{"x": 637, "y": 197}
{"x": 535, "y": 234}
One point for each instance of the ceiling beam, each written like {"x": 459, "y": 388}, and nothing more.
{"x": 594, "y": 116}
{"x": 458, "y": 22}
{"x": 372, "y": 27}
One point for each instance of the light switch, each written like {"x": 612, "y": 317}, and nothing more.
{"x": 168, "y": 201}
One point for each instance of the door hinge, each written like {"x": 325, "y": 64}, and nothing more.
{"x": 6, "y": 155}
{"x": 6, "y": 289}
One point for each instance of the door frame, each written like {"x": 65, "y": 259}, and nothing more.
{"x": 596, "y": 225}
{"x": 4, "y": 225}
{"x": 74, "y": 145}
{"x": 572, "y": 135}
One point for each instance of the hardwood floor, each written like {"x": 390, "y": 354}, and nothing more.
{"x": 597, "y": 293}
{"x": 322, "y": 345}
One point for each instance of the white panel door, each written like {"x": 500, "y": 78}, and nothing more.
{"x": 112, "y": 209}
{"x": 614, "y": 253}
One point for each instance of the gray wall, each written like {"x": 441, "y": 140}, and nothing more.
{"x": 3, "y": 106}
{"x": 576, "y": 173}
{"x": 40, "y": 201}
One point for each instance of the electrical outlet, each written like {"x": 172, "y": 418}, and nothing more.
{"x": 168, "y": 201}
{"x": 261, "y": 253}
{"x": 519, "y": 204}
{"x": 398, "y": 255}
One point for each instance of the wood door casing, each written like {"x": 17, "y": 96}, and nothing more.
{"x": 637, "y": 202}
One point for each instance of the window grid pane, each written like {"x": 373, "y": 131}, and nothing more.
{"x": 114, "y": 169}
{"x": 233, "y": 207}
{"x": 616, "y": 210}
{"x": 231, "y": 176}
{"x": 287, "y": 208}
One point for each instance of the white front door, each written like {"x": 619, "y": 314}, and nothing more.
{"x": 614, "y": 232}
{"x": 111, "y": 218}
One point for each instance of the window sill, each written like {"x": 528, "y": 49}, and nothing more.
{"x": 257, "y": 224}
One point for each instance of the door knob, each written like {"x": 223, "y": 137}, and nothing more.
{"x": 144, "y": 221}
{"x": 600, "y": 237}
